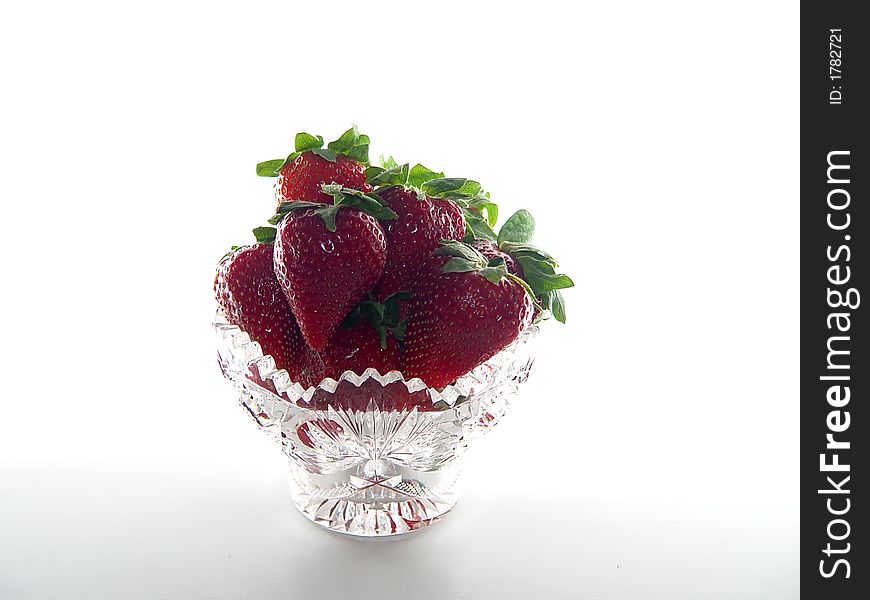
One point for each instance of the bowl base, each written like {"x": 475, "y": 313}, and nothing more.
{"x": 368, "y": 504}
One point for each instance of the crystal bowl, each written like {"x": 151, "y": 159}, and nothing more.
{"x": 372, "y": 454}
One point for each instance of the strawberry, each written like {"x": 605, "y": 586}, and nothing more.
{"x": 422, "y": 222}
{"x": 368, "y": 338}
{"x": 301, "y": 174}
{"x": 490, "y": 250}
{"x": 247, "y": 291}
{"x": 327, "y": 258}
{"x": 430, "y": 208}
{"x": 454, "y": 199}
{"x": 357, "y": 348}
{"x": 462, "y": 314}
{"x": 301, "y": 179}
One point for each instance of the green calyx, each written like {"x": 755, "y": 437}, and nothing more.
{"x": 467, "y": 259}
{"x": 390, "y": 173}
{"x": 383, "y": 317}
{"x": 553, "y": 303}
{"x": 342, "y": 198}
{"x": 229, "y": 253}
{"x": 265, "y": 235}
{"x": 539, "y": 267}
{"x": 540, "y": 273}
{"x": 519, "y": 228}
{"x": 478, "y": 227}
{"x": 351, "y": 143}
{"x": 381, "y": 177}
{"x": 479, "y": 211}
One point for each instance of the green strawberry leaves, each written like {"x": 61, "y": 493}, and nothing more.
{"x": 351, "y": 143}
{"x": 539, "y": 268}
{"x": 391, "y": 173}
{"x": 519, "y": 228}
{"x": 342, "y": 198}
{"x": 384, "y": 317}
{"x": 540, "y": 280}
{"x": 229, "y": 253}
{"x": 381, "y": 177}
{"x": 388, "y": 162}
{"x": 476, "y": 227}
{"x": 555, "y": 304}
{"x": 419, "y": 175}
{"x": 346, "y": 140}
{"x": 451, "y": 187}
{"x": 542, "y": 267}
{"x": 392, "y": 317}
{"x": 481, "y": 204}
{"x": 265, "y": 235}
{"x": 432, "y": 183}
{"x": 539, "y": 271}
{"x": 306, "y": 141}
{"x": 270, "y": 168}
{"x": 467, "y": 259}
{"x": 495, "y": 270}
{"x": 473, "y": 201}
{"x": 463, "y": 258}
{"x": 287, "y": 207}
{"x": 479, "y": 211}
{"x": 368, "y": 203}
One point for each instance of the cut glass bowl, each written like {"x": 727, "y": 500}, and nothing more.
{"x": 372, "y": 454}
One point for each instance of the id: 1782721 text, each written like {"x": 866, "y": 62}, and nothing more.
{"x": 835, "y": 66}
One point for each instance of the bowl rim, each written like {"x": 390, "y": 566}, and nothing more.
{"x": 287, "y": 390}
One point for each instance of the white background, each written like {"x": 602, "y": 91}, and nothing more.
{"x": 653, "y": 454}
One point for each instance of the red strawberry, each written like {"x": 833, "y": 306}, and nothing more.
{"x": 247, "y": 291}
{"x": 301, "y": 178}
{"x": 367, "y": 338}
{"x": 490, "y": 250}
{"x": 356, "y": 349}
{"x": 421, "y": 224}
{"x": 327, "y": 258}
{"x": 301, "y": 174}
{"x": 461, "y": 315}
{"x": 450, "y": 218}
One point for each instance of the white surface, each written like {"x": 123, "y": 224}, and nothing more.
{"x": 658, "y": 147}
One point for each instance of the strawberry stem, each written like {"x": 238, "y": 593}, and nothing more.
{"x": 519, "y": 280}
